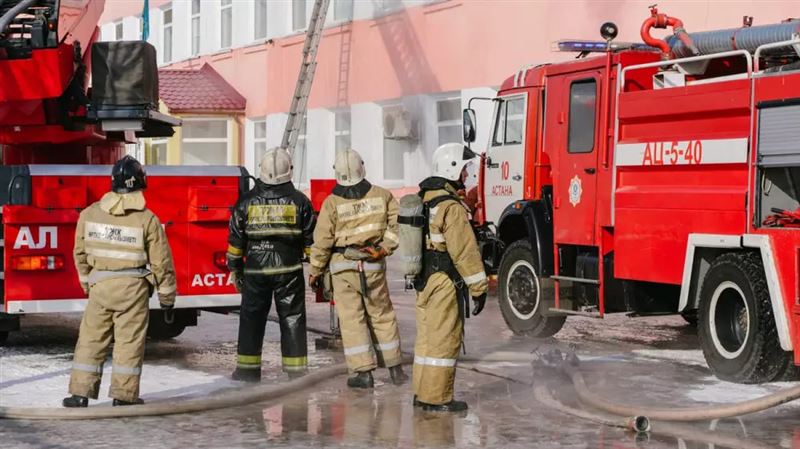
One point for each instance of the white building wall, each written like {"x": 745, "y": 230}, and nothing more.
{"x": 367, "y": 138}
{"x": 319, "y": 144}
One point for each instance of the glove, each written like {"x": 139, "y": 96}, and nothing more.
{"x": 238, "y": 281}
{"x": 477, "y": 304}
{"x": 314, "y": 282}
{"x": 166, "y": 306}
{"x": 375, "y": 253}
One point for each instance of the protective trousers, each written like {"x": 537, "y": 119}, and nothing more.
{"x": 290, "y": 302}
{"x": 118, "y": 310}
{"x": 368, "y": 324}
{"x": 439, "y": 335}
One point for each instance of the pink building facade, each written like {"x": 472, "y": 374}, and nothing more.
{"x": 393, "y": 75}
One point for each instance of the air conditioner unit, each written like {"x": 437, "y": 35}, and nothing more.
{"x": 398, "y": 124}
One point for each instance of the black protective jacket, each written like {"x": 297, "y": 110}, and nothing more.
{"x": 270, "y": 227}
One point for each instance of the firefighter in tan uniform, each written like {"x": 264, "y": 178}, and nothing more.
{"x": 452, "y": 272}
{"x": 122, "y": 255}
{"x": 356, "y": 230}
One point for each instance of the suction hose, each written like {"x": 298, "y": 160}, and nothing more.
{"x": 571, "y": 367}
{"x": 235, "y": 398}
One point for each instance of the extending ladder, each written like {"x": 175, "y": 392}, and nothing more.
{"x": 297, "y": 111}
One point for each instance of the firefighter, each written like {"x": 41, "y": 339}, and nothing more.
{"x": 357, "y": 230}
{"x": 121, "y": 255}
{"x": 270, "y": 227}
{"x": 452, "y": 271}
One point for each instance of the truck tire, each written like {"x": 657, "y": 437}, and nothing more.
{"x": 522, "y": 300}
{"x": 159, "y": 329}
{"x": 3, "y": 338}
{"x": 736, "y": 328}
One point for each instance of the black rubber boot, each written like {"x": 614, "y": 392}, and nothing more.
{"x": 416, "y": 402}
{"x": 75, "y": 401}
{"x": 398, "y": 376}
{"x": 450, "y": 407}
{"x": 361, "y": 380}
{"x": 121, "y": 403}
{"x": 246, "y": 375}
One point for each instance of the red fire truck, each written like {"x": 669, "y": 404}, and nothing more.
{"x": 657, "y": 178}
{"x": 56, "y": 133}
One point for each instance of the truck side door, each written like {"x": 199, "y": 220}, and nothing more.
{"x": 576, "y": 149}
{"x": 506, "y": 155}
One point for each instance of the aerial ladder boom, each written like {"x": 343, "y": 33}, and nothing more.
{"x": 302, "y": 89}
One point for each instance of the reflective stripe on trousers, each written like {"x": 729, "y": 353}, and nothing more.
{"x": 95, "y": 369}
{"x": 127, "y": 370}
{"x": 275, "y": 270}
{"x": 433, "y": 361}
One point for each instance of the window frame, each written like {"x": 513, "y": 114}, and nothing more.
{"x": 223, "y": 9}
{"x": 153, "y": 154}
{"x": 167, "y": 50}
{"x": 342, "y": 133}
{"x": 256, "y": 122}
{"x": 304, "y": 26}
{"x": 226, "y": 140}
{"x": 457, "y": 122}
{"x": 350, "y": 13}
{"x": 500, "y": 114}
{"x": 195, "y": 16}
{"x": 402, "y": 166}
{"x": 119, "y": 30}
{"x": 572, "y": 84}
{"x": 265, "y": 18}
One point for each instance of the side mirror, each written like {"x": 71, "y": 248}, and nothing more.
{"x": 469, "y": 125}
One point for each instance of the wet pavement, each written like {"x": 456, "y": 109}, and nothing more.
{"x": 653, "y": 361}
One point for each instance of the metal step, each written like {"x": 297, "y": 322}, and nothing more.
{"x": 575, "y": 312}
{"x": 574, "y": 279}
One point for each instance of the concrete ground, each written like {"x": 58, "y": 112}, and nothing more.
{"x": 637, "y": 360}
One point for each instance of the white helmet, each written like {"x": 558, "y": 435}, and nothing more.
{"x": 449, "y": 159}
{"x": 276, "y": 166}
{"x": 349, "y": 168}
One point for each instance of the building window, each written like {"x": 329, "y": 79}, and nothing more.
{"x": 226, "y": 16}
{"x": 342, "y": 10}
{"x": 167, "y": 44}
{"x": 205, "y": 142}
{"x": 260, "y": 18}
{"x": 341, "y": 130}
{"x": 582, "y": 101}
{"x": 157, "y": 154}
{"x": 299, "y": 155}
{"x": 195, "y": 27}
{"x": 448, "y": 120}
{"x": 118, "y": 29}
{"x": 298, "y": 15}
{"x": 259, "y": 141}
{"x": 394, "y": 151}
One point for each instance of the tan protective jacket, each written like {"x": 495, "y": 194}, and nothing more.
{"x": 342, "y": 222}
{"x": 451, "y": 231}
{"x": 119, "y": 237}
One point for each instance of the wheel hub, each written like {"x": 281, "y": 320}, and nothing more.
{"x": 729, "y": 320}
{"x": 522, "y": 290}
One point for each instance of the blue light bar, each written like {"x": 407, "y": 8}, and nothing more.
{"x": 598, "y": 46}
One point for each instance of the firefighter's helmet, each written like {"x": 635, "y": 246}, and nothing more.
{"x": 128, "y": 175}
{"x": 349, "y": 168}
{"x": 276, "y": 166}
{"x": 449, "y": 159}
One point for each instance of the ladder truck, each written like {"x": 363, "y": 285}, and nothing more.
{"x": 58, "y": 137}
{"x": 654, "y": 178}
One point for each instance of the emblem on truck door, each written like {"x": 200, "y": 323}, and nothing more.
{"x": 575, "y": 191}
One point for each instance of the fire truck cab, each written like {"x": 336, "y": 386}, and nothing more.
{"x": 653, "y": 180}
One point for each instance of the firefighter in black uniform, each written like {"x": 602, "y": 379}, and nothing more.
{"x": 269, "y": 229}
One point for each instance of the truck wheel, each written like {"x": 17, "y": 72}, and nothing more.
{"x": 3, "y": 337}
{"x": 160, "y": 329}
{"x": 523, "y": 301}
{"x": 736, "y": 328}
